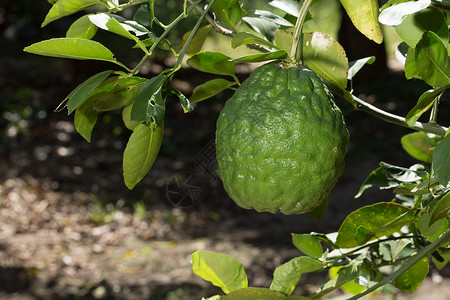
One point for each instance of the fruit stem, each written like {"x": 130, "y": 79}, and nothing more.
{"x": 297, "y": 42}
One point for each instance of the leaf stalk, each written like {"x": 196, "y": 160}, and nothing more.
{"x": 296, "y": 53}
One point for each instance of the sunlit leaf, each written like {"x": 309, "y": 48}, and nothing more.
{"x": 326, "y": 57}
{"x": 185, "y": 103}
{"x": 273, "y": 17}
{"x": 291, "y": 7}
{"x": 441, "y": 161}
{"x": 394, "y": 15}
{"x": 253, "y": 293}
{"x": 410, "y": 280}
{"x": 264, "y": 27}
{"x": 381, "y": 219}
{"x": 364, "y": 15}
{"x": 82, "y": 28}
{"x": 308, "y": 244}
{"x": 230, "y": 11}
{"x": 220, "y": 269}
{"x": 410, "y": 65}
{"x": 74, "y": 48}
{"x": 351, "y": 286}
{"x": 209, "y": 89}
{"x": 355, "y": 66}
{"x": 67, "y": 7}
{"x": 140, "y": 153}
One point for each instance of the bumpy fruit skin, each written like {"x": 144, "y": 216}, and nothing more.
{"x": 281, "y": 141}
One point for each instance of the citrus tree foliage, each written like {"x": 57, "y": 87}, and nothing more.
{"x": 385, "y": 243}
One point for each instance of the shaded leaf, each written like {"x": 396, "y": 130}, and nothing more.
{"x": 414, "y": 26}
{"x": 410, "y": 65}
{"x": 280, "y": 54}
{"x": 419, "y": 145}
{"x": 394, "y": 15}
{"x": 364, "y": 15}
{"x": 220, "y": 269}
{"x": 149, "y": 105}
{"x": 307, "y": 244}
{"x": 264, "y": 27}
{"x": 410, "y": 280}
{"x": 210, "y": 89}
{"x": 230, "y": 11}
{"x": 212, "y": 62}
{"x": 446, "y": 259}
{"x": 85, "y": 119}
{"x": 144, "y": 15}
{"x": 432, "y": 60}
{"x": 441, "y": 161}
{"x": 64, "y": 8}
{"x": 378, "y": 177}
{"x": 107, "y": 101}
{"x": 198, "y": 40}
{"x": 381, "y": 219}
{"x": 80, "y": 94}
{"x": 326, "y": 57}
{"x": 185, "y": 103}
{"x": 141, "y": 152}
{"x": 82, "y": 28}
{"x": 244, "y": 38}
{"x": 74, "y": 48}
{"x": 126, "y": 118}
{"x": 424, "y": 103}
{"x": 287, "y": 276}
{"x": 319, "y": 211}
{"x": 441, "y": 209}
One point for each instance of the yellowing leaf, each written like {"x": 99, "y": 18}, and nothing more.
{"x": 364, "y": 15}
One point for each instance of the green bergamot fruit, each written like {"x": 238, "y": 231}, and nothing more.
{"x": 281, "y": 141}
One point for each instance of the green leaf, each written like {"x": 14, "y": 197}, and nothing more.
{"x": 253, "y": 293}
{"x": 85, "y": 119}
{"x": 424, "y": 103}
{"x": 264, "y": 27}
{"x": 441, "y": 209}
{"x": 287, "y": 276}
{"x": 410, "y": 281}
{"x": 441, "y": 161}
{"x": 378, "y": 178}
{"x": 82, "y": 28}
{"x": 80, "y": 94}
{"x": 212, "y": 62}
{"x": 283, "y": 39}
{"x": 273, "y": 17}
{"x": 74, "y": 48}
{"x": 382, "y": 219}
{"x": 229, "y": 11}
{"x": 149, "y": 105}
{"x": 414, "y": 26}
{"x": 446, "y": 259}
{"x": 210, "y": 89}
{"x": 355, "y": 66}
{"x": 64, "y": 8}
{"x": 325, "y": 17}
{"x": 433, "y": 230}
{"x": 410, "y": 65}
{"x": 244, "y": 38}
{"x": 126, "y": 118}
{"x": 185, "y": 103}
{"x": 140, "y": 153}
{"x": 319, "y": 212}
{"x": 220, "y": 269}
{"x": 144, "y": 15}
{"x": 432, "y": 60}
{"x": 290, "y": 7}
{"x": 394, "y": 15}
{"x": 280, "y": 54}
{"x": 350, "y": 286}
{"x": 419, "y": 145}
{"x": 413, "y": 174}
{"x": 107, "y": 101}
{"x": 308, "y": 244}
{"x": 364, "y": 15}
{"x": 198, "y": 40}
{"x": 326, "y": 57}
